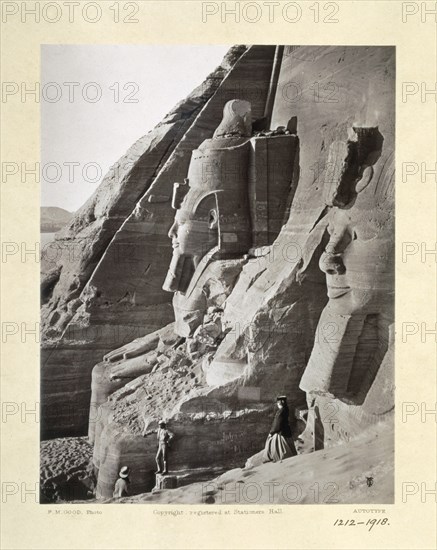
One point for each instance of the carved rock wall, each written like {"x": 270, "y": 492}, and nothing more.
{"x": 219, "y": 401}
{"x": 271, "y": 318}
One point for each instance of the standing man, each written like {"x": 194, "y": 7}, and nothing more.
{"x": 164, "y": 438}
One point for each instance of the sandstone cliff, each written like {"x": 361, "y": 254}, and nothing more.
{"x": 104, "y": 285}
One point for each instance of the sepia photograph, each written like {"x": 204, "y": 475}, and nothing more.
{"x": 217, "y": 274}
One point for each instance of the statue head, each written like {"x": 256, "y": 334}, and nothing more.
{"x": 212, "y": 212}
{"x": 358, "y": 257}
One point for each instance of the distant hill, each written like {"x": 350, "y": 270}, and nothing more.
{"x": 53, "y": 218}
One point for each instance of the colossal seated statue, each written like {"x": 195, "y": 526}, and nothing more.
{"x": 358, "y": 263}
{"x": 234, "y": 199}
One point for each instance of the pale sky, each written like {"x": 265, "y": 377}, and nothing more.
{"x": 99, "y": 133}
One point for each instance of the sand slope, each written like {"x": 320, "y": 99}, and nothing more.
{"x": 336, "y": 475}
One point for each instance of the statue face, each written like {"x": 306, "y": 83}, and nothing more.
{"x": 358, "y": 260}
{"x": 214, "y": 196}
{"x": 195, "y": 230}
{"x": 193, "y": 234}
